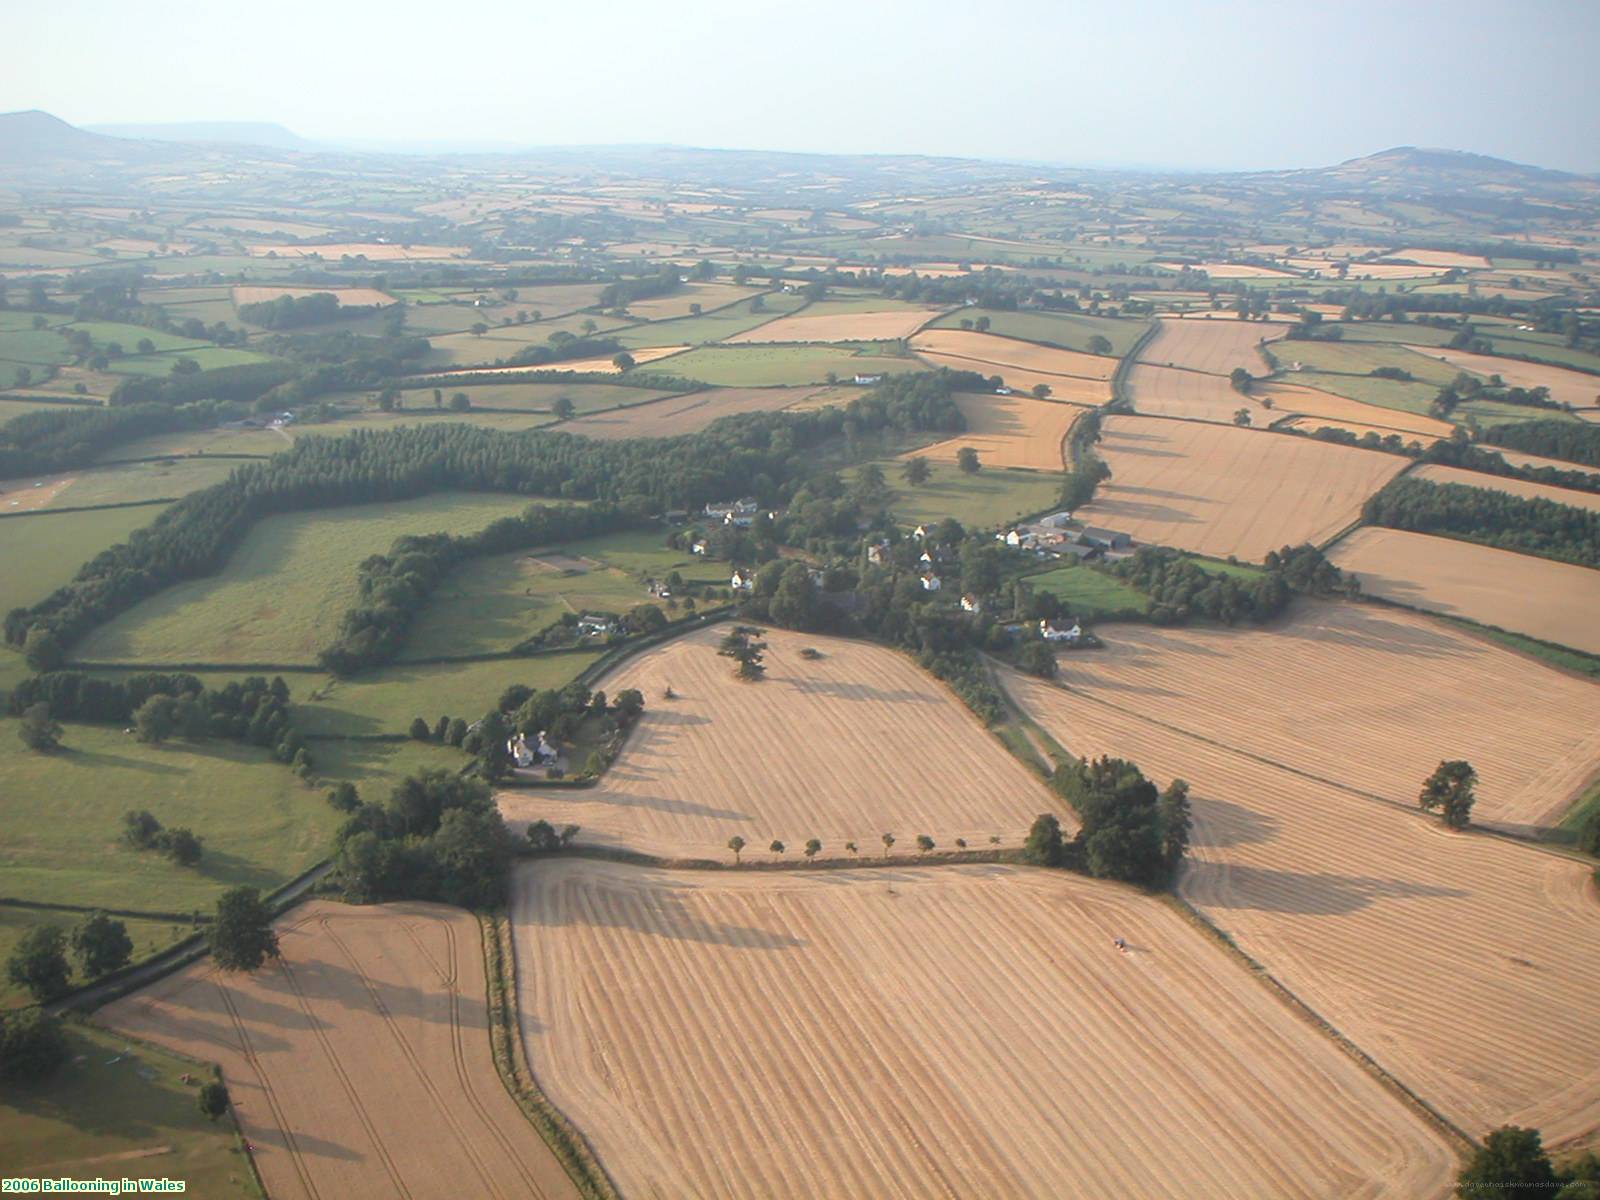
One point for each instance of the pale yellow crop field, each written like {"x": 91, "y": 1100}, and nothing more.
{"x": 993, "y": 352}
{"x": 839, "y": 327}
{"x": 1008, "y": 431}
{"x": 1215, "y": 346}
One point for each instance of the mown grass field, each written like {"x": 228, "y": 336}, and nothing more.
{"x": 260, "y": 824}
{"x": 1087, "y": 592}
{"x": 144, "y": 481}
{"x": 40, "y": 553}
{"x": 210, "y": 358}
{"x": 280, "y": 598}
{"x": 115, "y": 1101}
{"x": 537, "y": 397}
{"x": 1067, "y": 330}
{"x": 386, "y": 700}
{"x": 987, "y": 500}
{"x": 770, "y": 366}
{"x": 710, "y": 327}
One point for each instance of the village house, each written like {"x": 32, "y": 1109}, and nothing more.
{"x": 868, "y": 380}
{"x": 878, "y": 553}
{"x": 1106, "y": 539}
{"x": 743, "y": 581}
{"x": 921, "y": 533}
{"x": 595, "y": 625}
{"x": 931, "y": 582}
{"x": 970, "y": 603}
{"x": 698, "y": 546}
{"x": 742, "y": 513}
{"x": 1060, "y": 631}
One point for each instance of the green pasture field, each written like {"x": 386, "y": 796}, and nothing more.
{"x": 991, "y": 498}
{"x": 353, "y": 419}
{"x": 261, "y": 825}
{"x": 1089, "y": 593}
{"x": 209, "y": 358}
{"x": 10, "y": 407}
{"x": 199, "y": 442}
{"x": 13, "y": 320}
{"x": 40, "y": 553}
{"x": 772, "y": 366}
{"x": 281, "y": 595}
{"x": 1405, "y": 333}
{"x": 209, "y": 311}
{"x": 113, "y": 1100}
{"x": 503, "y": 341}
{"x": 1414, "y": 397}
{"x": 167, "y": 296}
{"x": 12, "y": 255}
{"x": 710, "y": 327}
{"x": 33, "y": 348}
{"x": 165, "y": 480}
{"x": 538, "y": 397}
{"x": 1546, "y": 347}
{"x": 1361, "y": 358}
{"x": 491, "y": 604}
{"x": 840, "y": 302}
{"x": 129, "y": 336}
{"x": 384, "y": 701}
{"x": 1067, "y": 330}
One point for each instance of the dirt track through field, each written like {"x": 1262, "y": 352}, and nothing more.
{"x": 1466, "y": 965}
{"x": 952, "y": 1031}
{"x": 840, "y": 748}
{"x": 1409, "y": 690}
{"x": 359, "y": 1064}
{"x": 1552, "y": 601}
{"x": 1220, "y": 490}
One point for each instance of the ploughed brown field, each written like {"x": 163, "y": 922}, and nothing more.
{"x": 839, "y": 327}
{"x": 847, "y": 747}
{"x": 1577, "y": 388}
{"x": 1213, "y": 346}
{"x": 673, "y": 415}
{"x": 1008, "y": 431}
{"x": 1221, "y": 490}
{"x": 947, "y": 1031}
{"x": 1409, "y": 690}
{"x": 359, "y": 1064}
{"x": 1467, "y": 965}
{"x": 1552, "y": 601}
{"x": 1434, "y": 473}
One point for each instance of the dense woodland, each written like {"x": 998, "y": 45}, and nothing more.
{"x": 1488, "y": 516}
{"x": 1181, "y": 588}
{"x": 1574, "y": 441}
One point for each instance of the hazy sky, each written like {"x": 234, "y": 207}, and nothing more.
{"x": 1120, "y": 82}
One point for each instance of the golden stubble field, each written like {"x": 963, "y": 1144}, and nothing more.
{"x": 1577, "y": 388}
{"x": 1214, "y": 346}
{"x": 847, "y": 747}
{"x": 348, "y": 297}
{"x": 1008, "y": 431}
{"x": 1407, "y": 689}
{"x": 1553, "y": 601}
{"x": 674, "y": 415}
{"x": 948, "y": 1031}
{"x": 1466, "y": 965}
{"x": 1221, "y": 490}
{"x": 359, "y": 1064}
{"x": 989, "y": 352}
{"x": 839, "y": 327}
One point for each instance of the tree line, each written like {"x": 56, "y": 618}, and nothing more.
{"x": 1563, "y": 532}
{"x": 394, "y": 587}
{"x": 1130, "y": 831}
{"x": 1181, "y": 588}
{"x": 294, "y": 312}
{"x": 63, "y": 438}
{"x": 1575, "y": 441}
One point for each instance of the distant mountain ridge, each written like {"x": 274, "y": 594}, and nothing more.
{"x": 238, "y": 133}
{"x": 34, "y": 138}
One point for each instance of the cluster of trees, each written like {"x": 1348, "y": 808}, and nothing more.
{"x": 395, "y": 586}
{"x": 296, "y": 312}
{"x": 162, "y": 705}
{"x": 742, "y": 645}
{"x": 564, "y": 348}
{"x": 246, "y": 382}
{"x": 1513, "y": 1162}
{"x": 1181, "y": 588}
{"x": 1450, "y": 791}
{"x": 142, "y": 831}
{"x": 438, "y": 837}
{"x": 1488, "y": 516}
{"x": 625, "y": 291}
{"x": 1131, "y": 831}
{"x": 1459, "y": 452}
{"x": 32, "y": 1046}
{"x": 39, "y": 964}
{"x": 62, "y": 438}
{"x": 761, "y": 454}
{"x": 1575, "y": 441}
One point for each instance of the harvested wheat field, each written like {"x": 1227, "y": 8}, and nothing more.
{"x": 1215, "y": 346}
{"x": 1466, "y": 965}
{"x": 1189, "y": 395}
{"x": 570, "y": 366}
{"x": 1434, "y": 473}
{"x": 1227, "y": 270}
{"x": 949, "y": 1031}
{"x": 1576, "y": 388}
{"x": 1340, "y": 410}
{"x": 838, "y": 748}
{"x": 1070, "y": 388}
{"x": 1221, "y": 490}
{"x": 1008, "y": 431}
{"x": 1552, "y": 601}
{"x": 348, "y": 297}
{"x": 709, "y": 296}
{"x": 672, "y": 415}
{"x": 1304, "y": 691}
{"x": 359, "y": 1064}
{"x": 373, "y": 251}
{"x": 989, "y": 351}
{"x": 839, "y": 327}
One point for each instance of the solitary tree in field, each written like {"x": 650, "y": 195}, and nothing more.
{"x": 776, "y": 847}
{"x": 888, "y": 844}
{"x": 1041, "y": 391}
{"x": 851, "y": 848}
{"x": 241, "y": 936}
{"x": 38, "y": 730}
{"x": 479, "y": 328}
{"x": 924, "y": 844}
{"x": 967, "y": 460}
{"x": 1099, "y": 344}
{"x": 1241, "y": 380}
{"x": 916, "y": 471}
{"x": 981, "y": 324}
{"x": 994, "y": 839}
{"x": 1241, "y": 416}
{"x": 213, "y": 1099}
{"x": 460, "y": 402}
{"x": 589, "y": 326}
{"x": 813, "y": 848}
{"x": 563, "y": 408}
{"x": 736, "y": 844}
{"x": 1450, "y": 790}
{"x": 961, "y": 843}
{"x": 39, "y": 963}
{"x": 102, "y": 945}
{"x": 622, "y": 360}
{"x": 740, "y": 645}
